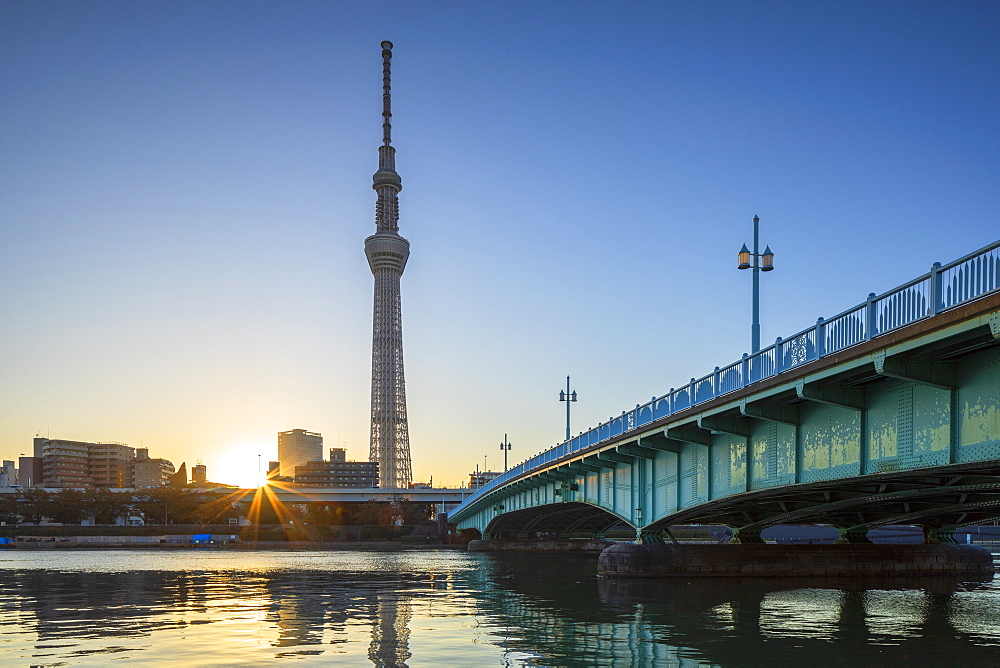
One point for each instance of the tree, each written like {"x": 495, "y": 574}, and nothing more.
{"x": 107, "y": 506}
{"x": 67, "y": 506}
{"x": 368, "y": 513}
{"x": 415, "y": 512}
{"x": 212, "y": 508}
{"x": 10, "y": 506}
{"x": 34, "y": 504}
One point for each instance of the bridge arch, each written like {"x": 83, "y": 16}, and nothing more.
{"x": 565, "y": 520}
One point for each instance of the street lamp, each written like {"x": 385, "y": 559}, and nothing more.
{"x": 568, "y": 398}
{"x": 761, "y": 262}
{"x": 505, "y": 446}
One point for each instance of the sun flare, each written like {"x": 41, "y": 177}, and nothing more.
{"x": 236, "y": 467}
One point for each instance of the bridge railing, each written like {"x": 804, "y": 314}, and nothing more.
{"x": 941, "y": 289}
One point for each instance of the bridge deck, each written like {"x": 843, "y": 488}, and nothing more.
{"x": 901, "y": 428}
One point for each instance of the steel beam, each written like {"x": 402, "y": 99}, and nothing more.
{"x": 600, "y": 463}
{"x": 612, "y": 456}
{"x": 845, "y": 397}
{"x": 583, "y": 468}
{"x": 935, "y": 374}
{"x": 638, "y": 451}
{"x": 781, "y": 414}
{"x": 659, "y": 441}
{"x": 725, "y": 424}
{"x": 690, "y": 434}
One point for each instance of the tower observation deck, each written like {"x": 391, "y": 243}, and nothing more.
{"x": 387, "y": 254}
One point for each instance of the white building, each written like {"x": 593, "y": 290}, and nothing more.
{"x": 8, "y": 474}
{"x": 298, "y": 447}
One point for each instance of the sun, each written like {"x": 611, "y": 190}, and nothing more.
{"x": 239, "y": 466}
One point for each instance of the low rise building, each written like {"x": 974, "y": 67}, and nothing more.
{"x": 29, "y": 471}
{"x": 337, "y": 474}
{"x": 8, "y": 474}
{"x": 149, "y": 472}
{"x": 478, "y": 479}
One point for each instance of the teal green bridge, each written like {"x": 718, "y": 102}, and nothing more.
{"x": 885, "y": 414}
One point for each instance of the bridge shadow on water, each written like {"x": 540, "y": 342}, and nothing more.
{"x": 572, "y": 617}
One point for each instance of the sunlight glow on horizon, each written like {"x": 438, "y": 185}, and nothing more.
{"x": 182, "y": 260}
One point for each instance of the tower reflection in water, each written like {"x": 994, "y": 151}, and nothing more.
{"x": 466, "y": 609}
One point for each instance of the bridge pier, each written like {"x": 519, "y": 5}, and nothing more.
{"x": 762, "y": 560}
{"x": 746, "y": 536}
{"x": 594, "y": 545}
{"x": 853, "y": 535}
{"x": 939, "y": 535}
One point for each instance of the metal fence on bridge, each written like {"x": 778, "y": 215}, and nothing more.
{"x": 941, "y": 289}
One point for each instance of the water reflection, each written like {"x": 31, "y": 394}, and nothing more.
{"x": 440, "y": 608}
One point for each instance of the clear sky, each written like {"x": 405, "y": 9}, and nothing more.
{"x": 185, "y": 192}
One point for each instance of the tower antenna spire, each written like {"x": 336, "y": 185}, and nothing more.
{"x": 387, "y": 253}
{"x": 386, "y": 93}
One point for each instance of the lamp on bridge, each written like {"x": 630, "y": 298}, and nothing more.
{"x": 505, "y": 446}
{"x": 568, "y": 398}
{"x": 761, "y": 262}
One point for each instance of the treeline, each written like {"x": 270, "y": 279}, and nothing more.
{"x": 171, "y": 505}
{"x": 155, "y": 505}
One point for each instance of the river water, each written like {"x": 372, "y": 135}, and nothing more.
{"x": 452, "y": 608}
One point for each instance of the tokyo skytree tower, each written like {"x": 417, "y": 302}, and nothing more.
{"x": 387, "y": 253}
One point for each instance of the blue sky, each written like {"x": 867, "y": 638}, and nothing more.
{"x": 185, "y": 191}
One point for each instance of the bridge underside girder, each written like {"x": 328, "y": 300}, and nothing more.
{"x": 946, "y": 496}
{"x": 562, "y": 519}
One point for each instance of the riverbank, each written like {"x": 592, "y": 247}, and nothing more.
{"x": 290, "y": 545}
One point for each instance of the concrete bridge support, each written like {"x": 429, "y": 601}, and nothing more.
{"x": 759, "y": 560}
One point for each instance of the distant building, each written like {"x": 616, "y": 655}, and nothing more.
{"x": 110, "y": 464}
{"x": 337, "y": 474}
{"x": 273, "y": 470}
{"x": 180, "y": 478}
{"x": 64, "y": 463}
{"x": 338, "y": 455}
{"x": 199, "y": 473}
{"x": 478, "y": 479}
{"x": 29, "y": 471}
{"x": 298, "y": 447}
{"x": 147, "y": 472}
{"x": 8, "y": 474}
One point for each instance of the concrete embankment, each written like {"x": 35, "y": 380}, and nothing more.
{"x": 114, "y": 542}
{"x": 586, "y": 545}
{"x": 840, "y": 560}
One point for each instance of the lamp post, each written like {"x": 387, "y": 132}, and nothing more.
{"x": 505, "y": 446}
{"x": 761, "y": 262}
{"x": 568, "y": 398}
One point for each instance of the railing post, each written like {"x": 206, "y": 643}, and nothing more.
{"x": 715, "y": 383}
{"x": 779, "y": 358}
{"x": 820, "y": 338}
{"x": 670, "y": 402}
{"x": 934, "y": 290}
{"x": 691, "y": 394}
{"x": 744, "y": 371}
{"x": 870, "y": 317}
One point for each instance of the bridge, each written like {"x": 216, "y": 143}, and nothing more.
{"x": 885, "y": 414}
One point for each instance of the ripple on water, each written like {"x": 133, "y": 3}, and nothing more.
{"x": 420, "y": 608}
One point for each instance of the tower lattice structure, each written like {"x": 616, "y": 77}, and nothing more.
{"x": 387, "y": 254}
